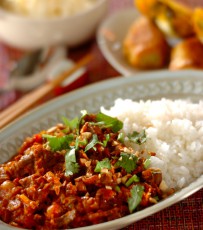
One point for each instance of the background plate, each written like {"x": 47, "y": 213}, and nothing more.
{"x": 110, "y": 36}
{"x": 155, "y": 85}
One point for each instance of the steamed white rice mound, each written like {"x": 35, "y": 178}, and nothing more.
{"x": 174, "y": 132}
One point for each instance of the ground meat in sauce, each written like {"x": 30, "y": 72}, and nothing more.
{"x": 35, "y": 193}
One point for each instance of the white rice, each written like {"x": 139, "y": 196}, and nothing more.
{"x": 174, "y": 131}
{"x": 47, "y": 8}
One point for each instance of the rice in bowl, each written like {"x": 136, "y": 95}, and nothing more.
{"x": 47, "y": 9}
{"x": 175, "y": 133}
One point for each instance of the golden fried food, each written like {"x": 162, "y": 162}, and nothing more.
{"x": 145, "y": 46}
{"x": 198, "y": 23}
{"x": 173, "y": 18}
{"x": 187, "y": 55}
{"x": 147, "y": 7}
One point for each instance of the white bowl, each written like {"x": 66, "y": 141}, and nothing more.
{"x": 33, "y": 33}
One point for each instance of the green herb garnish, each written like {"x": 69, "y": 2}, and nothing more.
{"x": 138, "y": 138}
{"x": 105, "y": 163}
{"x": 72, "y": 124}
{"x": 136, "y": 197}
{"x": 111, "y": 122}
{"x": 71, "y": 165}
{"x": 133, "y": 179}
{"x": 92, "y": 143}
{"x": 79, "y": 142}
{"x": 117, "y": 188}
{"x": 156, "y": 198}
{"x": 59, "y": 143}
{"x": 121, "y": 137}
{"x": 105, "y": 142}
{"x": 147, "y": 162}
{"x": 127, "y": 161}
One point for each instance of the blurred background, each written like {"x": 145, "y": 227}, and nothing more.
{"x": 35, "y": 45}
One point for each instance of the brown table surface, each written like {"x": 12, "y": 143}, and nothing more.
{"x": 187, "y": 214}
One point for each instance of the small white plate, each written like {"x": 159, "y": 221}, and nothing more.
{"x": 156, "y": 85}
{"x": 110, "y": 36}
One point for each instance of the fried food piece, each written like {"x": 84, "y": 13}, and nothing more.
{"x": 172, "y": 18}
{"x": 187, "y": 55}
{"x": 198, "y": 23}
{"x": 147, "y": 7}
{"x": 145, "y": 46}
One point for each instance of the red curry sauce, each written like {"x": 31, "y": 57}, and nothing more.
{"x": 54, "y": 185}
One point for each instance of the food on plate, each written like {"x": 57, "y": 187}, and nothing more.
{"x": 79, "y": 173}
{"x": 187, "y": 55}
{"x": 146, "y": 7}
{"x": 198, "y": 23}
{"x": 172, "y": 17}
{"x": 44, "y": 8}
{"x": 103, "y": 166}
{"x": 144, "y": 45}
{"x": 174, "y": 130}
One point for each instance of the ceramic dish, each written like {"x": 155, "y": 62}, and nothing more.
{"x": 110, "y": 36}
{"x": 34, "y": 33}
{"x": 155, "y": 85}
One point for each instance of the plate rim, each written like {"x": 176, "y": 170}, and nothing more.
{"x": 101, "y": 41}
{"x": 108, "y": 83}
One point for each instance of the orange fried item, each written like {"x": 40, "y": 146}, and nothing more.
{"x": 187, "y": 55}
{"x": 198, "y": 23}
{"x": 172, "y": 18}
{"x": 145, "y": 46}
{"x": 146, "y": 7}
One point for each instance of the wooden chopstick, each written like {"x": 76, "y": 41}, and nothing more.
{"x": 26, "y": 102}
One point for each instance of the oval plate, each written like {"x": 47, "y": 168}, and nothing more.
{"x": 155, "y": 85}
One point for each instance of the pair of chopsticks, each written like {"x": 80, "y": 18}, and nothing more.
{"x": 25, "y": 103}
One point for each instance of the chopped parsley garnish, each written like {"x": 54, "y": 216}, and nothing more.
{"x": 72, "y": 143}
{"x": 156, "y": 198}
{"x": 105, "y": 163}
{"x": 72, "y": 124}
{"x": 138, "y": 138}
{"x": 121, "y": 137}
{"x": 105, "y": 142}
{"x": 79, "y": 142}
{"x": 136, "y": 197}
{"x": 147, "y": 162}
{"x": 92, "y": 143}
{"x": 71, "y": 164}
{"x": 59, "y": 143}
{"x": 117, "y": 188}
{"x": 127, "y": 161}
{"x": 110, "y": 122}
{"x": 133, "y": 179}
